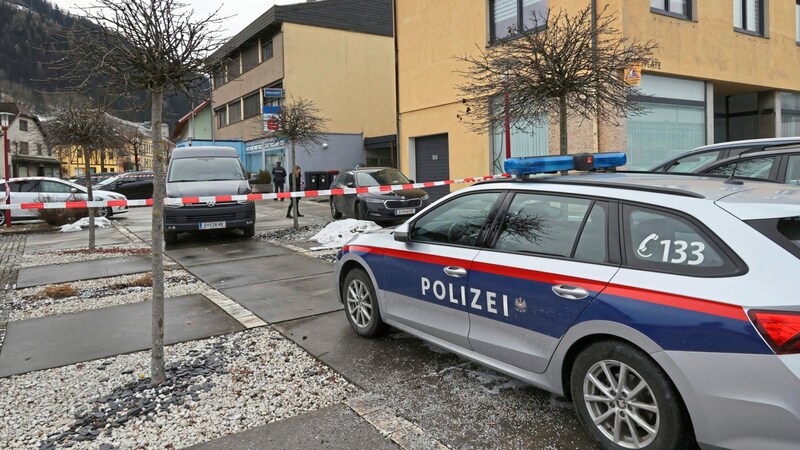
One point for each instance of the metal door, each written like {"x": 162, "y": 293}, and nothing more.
{"x": 433, "y": 163}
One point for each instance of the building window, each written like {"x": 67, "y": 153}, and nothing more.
{"x": 677, "y": 8}
{"x": 23, "y": 148}
{"x": 790, "y": 114}
{"x": 527, "y": 139}
{"x": 249, "y": 57}
{"x": 266, "y": 51}
{"x": 251, "y": 105}
{"x": 23, "y": 125}
{"x": 748, "y": 15}
{"x": 797, "y": 20}
{"x": 233, "y": 68}
{"x": 510, "y": 14}
{"x": 234, "y": 112}
{"x": 222, "y": 117}
{"x": 219, "y": 77}
{"x": 39, "y": 149}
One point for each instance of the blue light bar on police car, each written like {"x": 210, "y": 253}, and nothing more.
{"x": 583, "y": 161}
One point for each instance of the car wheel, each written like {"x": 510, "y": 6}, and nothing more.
{"x": 3, "y": 218}
{"x": 361, "y": 304}
{"x": 361, "y": 212}
{"x": 105, "y": 212}
{"x": 249, "y": 231}
{"x": 171, "y": 237}
{"x": 334, "y": 211}
{"x": 625, "y": 400}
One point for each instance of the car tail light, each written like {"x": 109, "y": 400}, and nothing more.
{"x": 781, "y": 329}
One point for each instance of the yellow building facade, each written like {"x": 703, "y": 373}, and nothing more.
{"x": 113, "y": 160}
{"x": 722, "y": 75}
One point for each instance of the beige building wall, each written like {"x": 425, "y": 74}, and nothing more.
{"x": 349, "y": 77}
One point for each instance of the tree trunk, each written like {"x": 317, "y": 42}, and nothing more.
{"x": 562, "y": 129}
{"x": 294, "y": 200}
{"x": 136, "y": 156}
{"x": 89, "y": 196}
{"x": 157, "y": 375}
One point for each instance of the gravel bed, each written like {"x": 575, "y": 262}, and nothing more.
{"x": 31, "y": 259}
{"x": 215, "y": 387}
{"x": 30, "y": 303}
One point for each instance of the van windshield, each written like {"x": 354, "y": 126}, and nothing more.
{"x": 205, "y": 169}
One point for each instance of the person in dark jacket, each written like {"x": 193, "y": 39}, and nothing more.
{"x": 295, "y": 185}
{"x": 278, "y": 177}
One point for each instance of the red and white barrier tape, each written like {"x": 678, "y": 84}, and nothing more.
{"x": 245, "y": 197}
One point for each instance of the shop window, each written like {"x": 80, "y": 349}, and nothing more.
{"x": 676, "y": 8}
{"x": 507, "y": 15}
{"x": 748, "y": 16}
{"x": 251, "y": 105}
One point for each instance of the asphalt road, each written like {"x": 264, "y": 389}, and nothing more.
{"x": 460, "y": 403}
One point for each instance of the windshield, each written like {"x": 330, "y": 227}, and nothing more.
{"x": 205, "y": 169}
{"x": 380, "y": 178}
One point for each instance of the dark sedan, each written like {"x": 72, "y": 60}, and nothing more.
{"x": 134, "y": 185}
{"x": 376, "y": 206}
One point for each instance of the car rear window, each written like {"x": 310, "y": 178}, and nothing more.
{"x": 783, "y": 231}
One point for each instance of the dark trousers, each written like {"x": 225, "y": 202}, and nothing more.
{"x": 295, "y": 201}
{"x": 278, "y": 186}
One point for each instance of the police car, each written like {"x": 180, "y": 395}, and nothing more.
{"x": 664, "y": 305}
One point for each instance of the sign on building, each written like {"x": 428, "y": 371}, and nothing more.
{"x": 633, "y": 74}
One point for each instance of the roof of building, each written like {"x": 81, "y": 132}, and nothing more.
{"x": 361, "y": 16}
{"x": 185, "y": 119}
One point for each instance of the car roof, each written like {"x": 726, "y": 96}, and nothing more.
{"x": 372, "y": 169}
{"x": 749, "y": 143}
{"x": 745, "y": 156}
{"x": 203, "y": 152}
{"x": 750, "y": 197}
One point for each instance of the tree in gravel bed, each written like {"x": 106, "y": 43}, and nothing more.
{"x": 83, "y": 129}
{"x": 154, "y": 46}
{"x": 299, "y": 123}
{"x": 558, "y": 65}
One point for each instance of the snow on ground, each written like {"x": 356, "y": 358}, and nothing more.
{"x": 99, "y": 222}
{"x": 340, "y": 232}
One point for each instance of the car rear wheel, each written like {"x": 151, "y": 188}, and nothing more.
{"x": 361, "y": 304}
{"x": 170, "y": 237}
{"x": 3, "y": 218}
{"x": 626, "y": 401}
{"x": 335, "y": 211}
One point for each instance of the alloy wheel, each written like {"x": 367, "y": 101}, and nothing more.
{"x": 621, "y": 404}
{"x": 359, "y": 303}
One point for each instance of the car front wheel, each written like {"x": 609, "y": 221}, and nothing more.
{"x": 361, "y": 304}
{"x": 335, "y": 211}
{"x": 105, "y": 212}
{"x": 626, "y": 401}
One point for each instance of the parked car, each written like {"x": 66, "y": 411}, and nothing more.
{"x": 207, "y": 172}
{"x": 134, "y": 185}
{"x": 93, "y": 178}
{"x": 781, "y": 165}
{"x": 661, "y": 304}
{"x": 48, "y": 189}
{"x": 692, "y": 160}
{"x": 376, "y": 206}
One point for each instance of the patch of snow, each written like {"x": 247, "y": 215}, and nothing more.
{"x": 99, "y": 222}
{"x": 340, "y": 232}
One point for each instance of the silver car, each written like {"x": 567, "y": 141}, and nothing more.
{"x": 665, "y": 306}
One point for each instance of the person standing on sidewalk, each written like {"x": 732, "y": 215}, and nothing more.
{"x": 279, "y": 178}
{"x": 295, "y": 185}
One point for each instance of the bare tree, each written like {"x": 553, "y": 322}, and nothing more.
{"x": 86, "y": 129}
{"x": 553, "y": 68}
{"x": 299, "y": 123}
{"x": 157, "y": 46}
{"x": 135, "y": 141}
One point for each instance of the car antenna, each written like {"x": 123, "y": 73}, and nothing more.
{"x": 732, "y": 179}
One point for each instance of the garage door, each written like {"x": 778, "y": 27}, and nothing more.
{"x": 433, "y": 163}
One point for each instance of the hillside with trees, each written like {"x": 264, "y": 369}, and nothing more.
{"x": 29, "y": 36}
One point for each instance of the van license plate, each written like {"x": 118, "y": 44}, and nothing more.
{"x": 211, "y": 225}
{"x": 402, "y": 212}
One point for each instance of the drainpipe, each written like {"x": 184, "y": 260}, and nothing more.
{"x": 396, "y": 86}
{"x": 598, "y": 122}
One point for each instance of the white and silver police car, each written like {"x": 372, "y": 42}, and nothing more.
{"x": 665, "y": 306}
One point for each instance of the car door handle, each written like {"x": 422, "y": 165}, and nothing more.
{"x": 455, "y": 272}
{"x": 570, "y": 292}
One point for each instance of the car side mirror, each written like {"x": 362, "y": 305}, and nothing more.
{"x": 73, "y": 191}
{"x": 350, "y": 184}
{"x": 402, "y": 232}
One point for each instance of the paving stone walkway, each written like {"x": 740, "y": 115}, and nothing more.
{"x": 12, "y": 247}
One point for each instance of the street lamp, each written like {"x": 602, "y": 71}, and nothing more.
{"x": 5, "y": 120}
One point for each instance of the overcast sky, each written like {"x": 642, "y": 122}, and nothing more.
{"x": 239, "y": 12}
